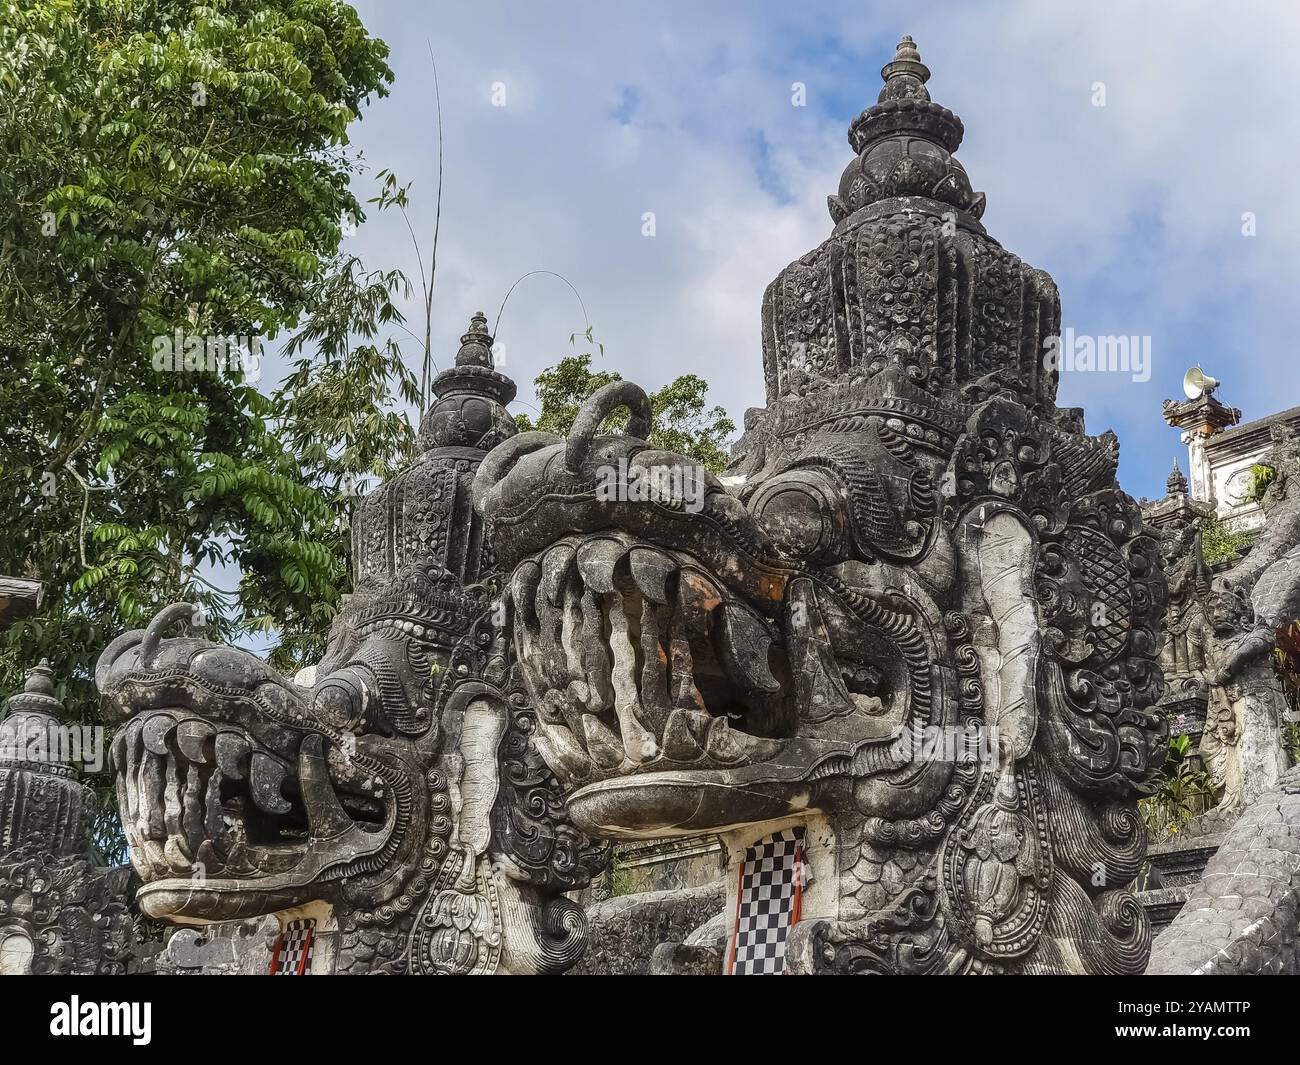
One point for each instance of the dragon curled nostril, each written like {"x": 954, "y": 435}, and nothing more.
{"x": 164, "y": 620}
{"x": 340, "y": 700}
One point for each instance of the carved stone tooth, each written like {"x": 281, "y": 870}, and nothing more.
{"x": 555, "y": 571}
{"x": 117, "y": 751}
{"x": 560, "y": 750}
{"x": 192, "y": 810}
{"x": 597, "y": 561}
{"x": 232, "y": 750}
{"x": 326, "y": 816}
{"x": 155, "y": 860}
{"x": 655, "y": 705}
{"x": 699, "y": 722}
{"x": 192, "y": 736}
{"x": 650, "y": 572}
{"x": 212, "y": 822}
{"x": 603, "y": 746}
{"x": 687, "y": 622}
{"x": 819, "y": 687}
{"x": 265, "y": 776}
{"x": 156, "y": 732}
{"x": 527, "y": 654}
{"x": 523, "y": 588}
{"x": 527, "y": 625}
{"x": 128, "y": 771}
{"x": 744, "y": 648}
{"x": 172, "y": 801}
{"x": 557, "y": 709}
{"x": 178, "y": 862}
{"x": 697, "y": 598}
{"x": 638, "y": 743}
{"x": 549, "y": 652}
{"x": 127, "y": 791}
{"x": 208, "y": 860}
{"x": 576, "y": 695}
{"x": 728, "y": 746}
{"x": 232, "y": 841}
{"x": 153, "y": 779}
{"x": 572, "y": 636}
{"x": 680, "y": 743}
{"x": 241, "y": 860}
{"x": 700, "y": 591}
{"x": 125, "y": 802}
{"x": 139, "y": 860}
{"x": 595, "y": 659}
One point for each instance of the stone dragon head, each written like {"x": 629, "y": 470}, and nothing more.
{"x": 398, "y": 787}
{"x": 916, "y": 615}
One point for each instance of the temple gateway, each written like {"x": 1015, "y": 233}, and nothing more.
{"x": 895, "y": 694}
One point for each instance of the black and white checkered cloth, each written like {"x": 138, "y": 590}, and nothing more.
{"x": 770, "y": 886}
{"x": 293, "y": 949}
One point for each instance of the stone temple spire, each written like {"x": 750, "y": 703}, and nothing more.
{"x": 909, "y": 278}
{"x": 42, "y": 805}
{"x": 1177, "y": 483}
{"x": 905, "y": 143}
{"x": 30, "y": 718}
{"x": 476, "y": 345}
{"x": 470, "y": 409}
{"x": 422, "y": 521}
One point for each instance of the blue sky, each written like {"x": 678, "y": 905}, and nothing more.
{"x": 685, "y": 110}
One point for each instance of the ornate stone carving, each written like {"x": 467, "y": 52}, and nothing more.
{"x": 1248, "y": 606}
{"x": 913, "y": 546}
{"x": 398, "y": 788}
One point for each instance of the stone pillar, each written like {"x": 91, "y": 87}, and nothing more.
{"x": 1200, "y": 419}
{"x": 42, "y": 804}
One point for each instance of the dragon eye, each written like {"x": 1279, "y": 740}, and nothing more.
{"x": 802, "y": 511}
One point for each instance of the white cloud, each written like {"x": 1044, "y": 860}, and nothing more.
{"x": 614, "y": 110}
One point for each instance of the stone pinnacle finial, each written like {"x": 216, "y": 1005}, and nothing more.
{"x": 40, "y": 678}
{"x": 29, "y": 717}
{"x": 38, "y": 692}
{"x": 1177, "y": 483}
{"x": 904, "y": 106}
{"x": 904, "y": 143}
{"x": 476, "y": 345}
{"x": 905, "y": 75}
{"x": 469, "y": 410}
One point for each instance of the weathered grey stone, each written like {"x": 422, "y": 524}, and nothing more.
{"x": 398, "y": 787}
{"x": 912, "y": 541}
{"x": 625, "y": 930}
{"x": 59, "y": 912}
{"x": 1242, "y": 916}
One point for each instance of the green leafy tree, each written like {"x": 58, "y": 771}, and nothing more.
{"x": 336, "y": 414}
{"x": 682, "y": 421}
{"x": 165, "y": 167}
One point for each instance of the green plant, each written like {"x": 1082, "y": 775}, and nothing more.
{"x": 1291, "y": 742}
{"x": 1260, "y": 478}
{"x": 1184, "y": 791}
{"x": 1219, "y": 544}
